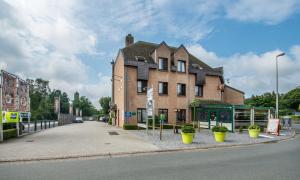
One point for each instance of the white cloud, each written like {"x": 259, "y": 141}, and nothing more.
{"x": 267, "y": 11}
{"x": 255, "y": 73}
{"x": 43, "y": 39}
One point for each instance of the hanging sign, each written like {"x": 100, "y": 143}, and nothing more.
{"x": 273, "y": 126}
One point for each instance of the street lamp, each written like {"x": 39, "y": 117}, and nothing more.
{"x": 281, "y": 54}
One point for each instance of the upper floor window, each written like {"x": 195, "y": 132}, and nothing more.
{"x": 141, "y": 86}
{"x": 163, "y": 88}
{"x": 163, "y": 64}
{"x": 181, "y": 89}
{"x": 199, "y": 91}
{"x": 181, "y": 66}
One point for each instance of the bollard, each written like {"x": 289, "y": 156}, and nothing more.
{"x": 34, "y": 125}
{"x": 49, "y": 124}
{"x": 41, "y": 125}
{"x": 45, "y": 125}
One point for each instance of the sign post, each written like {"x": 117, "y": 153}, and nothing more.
{"x": 150, "y": 108}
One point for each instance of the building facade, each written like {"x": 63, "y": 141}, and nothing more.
{"x": 176, "y": 76}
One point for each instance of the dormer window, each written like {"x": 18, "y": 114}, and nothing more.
{"x": 181, "y": 66}
{"x": 140, "y": 58}
{"x": 163, "y": 64}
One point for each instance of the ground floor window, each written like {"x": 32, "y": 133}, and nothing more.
{"x": 165, "y": 112}
{"x": 141, "y": 115}
{"x": 181, "y": 115}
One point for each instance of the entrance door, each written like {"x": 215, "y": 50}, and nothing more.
{"x": 213, "y": 118}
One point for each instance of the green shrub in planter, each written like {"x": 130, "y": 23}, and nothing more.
{"x": 220, "y": 133}
{"x": 187, "y": 129}
{"x": 222, "y": 129}
{"x": 187, "y": 134}
{"x": 254, "y": 131}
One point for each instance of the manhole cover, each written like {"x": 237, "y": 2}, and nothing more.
{"x": 29, "y": 141}
{"x": 113, "y": 133}
{"x": 107, "y": 143}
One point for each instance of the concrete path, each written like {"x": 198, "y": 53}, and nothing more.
{"x": 72, "y": 140}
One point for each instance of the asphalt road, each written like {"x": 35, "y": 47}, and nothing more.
{"x": 267, "y": 161}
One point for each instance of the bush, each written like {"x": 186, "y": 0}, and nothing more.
{"x": 130, "y": 127}
{"x": 9, "y": 133}
{"x": 240, "y": 129}
{"x": 219, "y": 129}
{"x": 187, "y": 129}
{"x": 254, "y": 127}
{"x": 110, "y": 121}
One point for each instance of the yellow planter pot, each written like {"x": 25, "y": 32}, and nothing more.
{"x": 253, "y": 133}
{"x": 187, "y": 138}
{"x": 220, "y": 136}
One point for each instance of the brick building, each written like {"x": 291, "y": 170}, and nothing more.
{"x": 177, "y": 78}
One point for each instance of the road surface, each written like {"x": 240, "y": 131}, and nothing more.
{"x": 276, "y": 161}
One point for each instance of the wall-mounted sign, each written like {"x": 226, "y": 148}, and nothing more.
{"x": 25, "y": 114}
{"x": 11, "y": 117}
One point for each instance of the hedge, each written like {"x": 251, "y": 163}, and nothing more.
{"x": 130, "y": 127}
{"x": 9, "y": 133}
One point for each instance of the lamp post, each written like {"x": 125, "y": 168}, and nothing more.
{"x": 277, "y": 98}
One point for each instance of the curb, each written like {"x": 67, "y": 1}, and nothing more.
{"x": 110, "y": 155}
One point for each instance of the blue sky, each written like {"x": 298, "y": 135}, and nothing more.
{"x": 72, "y": 42}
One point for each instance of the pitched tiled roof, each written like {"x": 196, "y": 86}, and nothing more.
{"x": 145, "y": 49}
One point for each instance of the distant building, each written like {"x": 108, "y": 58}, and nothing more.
{"x": 176, "y": 76}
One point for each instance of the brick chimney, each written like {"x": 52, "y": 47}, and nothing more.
{"x": 129, "y": 39}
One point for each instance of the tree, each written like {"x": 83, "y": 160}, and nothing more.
{"x": 104, "y": 103}
{"x": 291, "y": 99}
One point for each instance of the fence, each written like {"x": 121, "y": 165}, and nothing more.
{"x": 35, "y": 126}
{"x": 64, "y": 119}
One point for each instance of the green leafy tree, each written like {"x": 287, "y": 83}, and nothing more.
{"x": 104, "y": 103}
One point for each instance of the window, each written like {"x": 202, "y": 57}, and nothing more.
{"x": 181, "y": 66}
{"x": 165, "y": 112}
{"x": 181, "y": 89}
{"x": 199, "y": 91}
{"x": 163, "y": 64}
{"x": 141, "y": 86}
{"x": 180, "y": 116}
{"x": 141, "y": 115}
{"x": 162, "y": 88}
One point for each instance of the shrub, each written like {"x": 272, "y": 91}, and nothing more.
{"x": 219, "y": 129}
{"x": 9, "y": 133}
{"x": 130, "y": 127}
{"x": 110, "y": 121}
{"x": 254, "y": 127}
{"x": 241, "y": 129}
{"x": 187, "y": 129}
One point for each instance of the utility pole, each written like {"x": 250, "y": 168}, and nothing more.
{"x": 277, "y": 94}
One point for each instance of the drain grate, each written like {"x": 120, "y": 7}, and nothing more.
{"x": 29, "y": 141}
{"x": 113, "y": 133}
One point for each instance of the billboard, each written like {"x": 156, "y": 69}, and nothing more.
{"x": 23, "y": 92}
{"x": 9, "y": 92}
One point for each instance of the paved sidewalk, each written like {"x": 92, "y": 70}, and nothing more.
{"x": 205, "y": 139}
{"x": 82, "y": 139}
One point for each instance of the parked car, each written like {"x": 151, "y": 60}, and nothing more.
{"x": 78, "y": 120}
{"x": 105, "y": 119}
